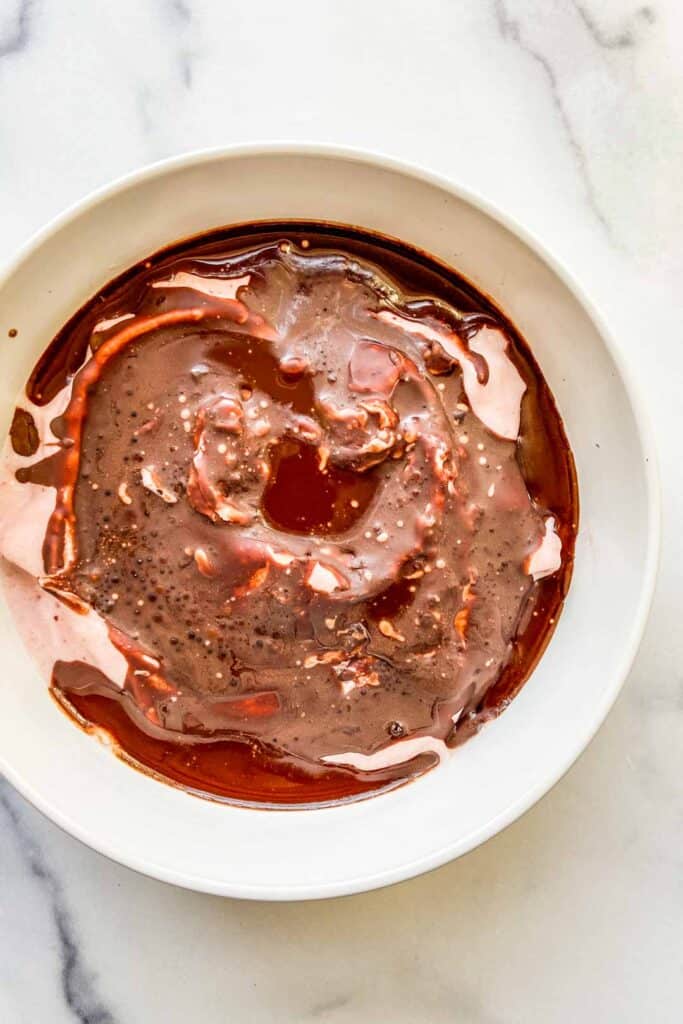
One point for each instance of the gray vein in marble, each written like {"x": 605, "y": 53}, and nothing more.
{"x": 180, "y": 9}
{"x": 182, "y": 16}
{"x": 77, "y": 983}
{"x": 510, "y": 30}
{"x": 143, "y": 99}
{"x": 185, "y": 65}
{"x": 16, "y": 38}
{"x": 328, "y": 1006}
{"x": 622, "y": 40}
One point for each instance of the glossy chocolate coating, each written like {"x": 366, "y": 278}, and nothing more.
{"x": 302, "y": 537}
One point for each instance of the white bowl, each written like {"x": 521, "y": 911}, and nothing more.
{"x": 493, "y": 778}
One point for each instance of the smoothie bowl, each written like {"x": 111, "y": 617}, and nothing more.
{"x": 289, "y": 515}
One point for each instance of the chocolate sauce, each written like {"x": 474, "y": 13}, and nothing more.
{"x": 23, "y": 433}
{"x": 303, "y": 473}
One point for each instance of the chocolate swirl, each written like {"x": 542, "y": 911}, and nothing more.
{"x": 293, "y": 492}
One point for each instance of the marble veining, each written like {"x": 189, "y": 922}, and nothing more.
{"x": 77, "y": 983}
{"x": 511, "y": 28}
{"x": 570, "y": 116}
{"x": 623, "y": 38}
{"x": 181, "y": 15}
{"x": 322, "y": 1011}
{"x": 15, "y": 33}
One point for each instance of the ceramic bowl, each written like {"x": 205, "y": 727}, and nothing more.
{"x": 492, "y": 779}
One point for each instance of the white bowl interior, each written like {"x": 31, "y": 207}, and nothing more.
{"x": 491, "y": 779}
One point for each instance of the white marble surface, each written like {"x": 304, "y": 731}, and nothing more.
{"x": 571, "y": 117}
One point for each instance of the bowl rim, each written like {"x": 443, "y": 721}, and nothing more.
{"x": 644, "y": 430}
